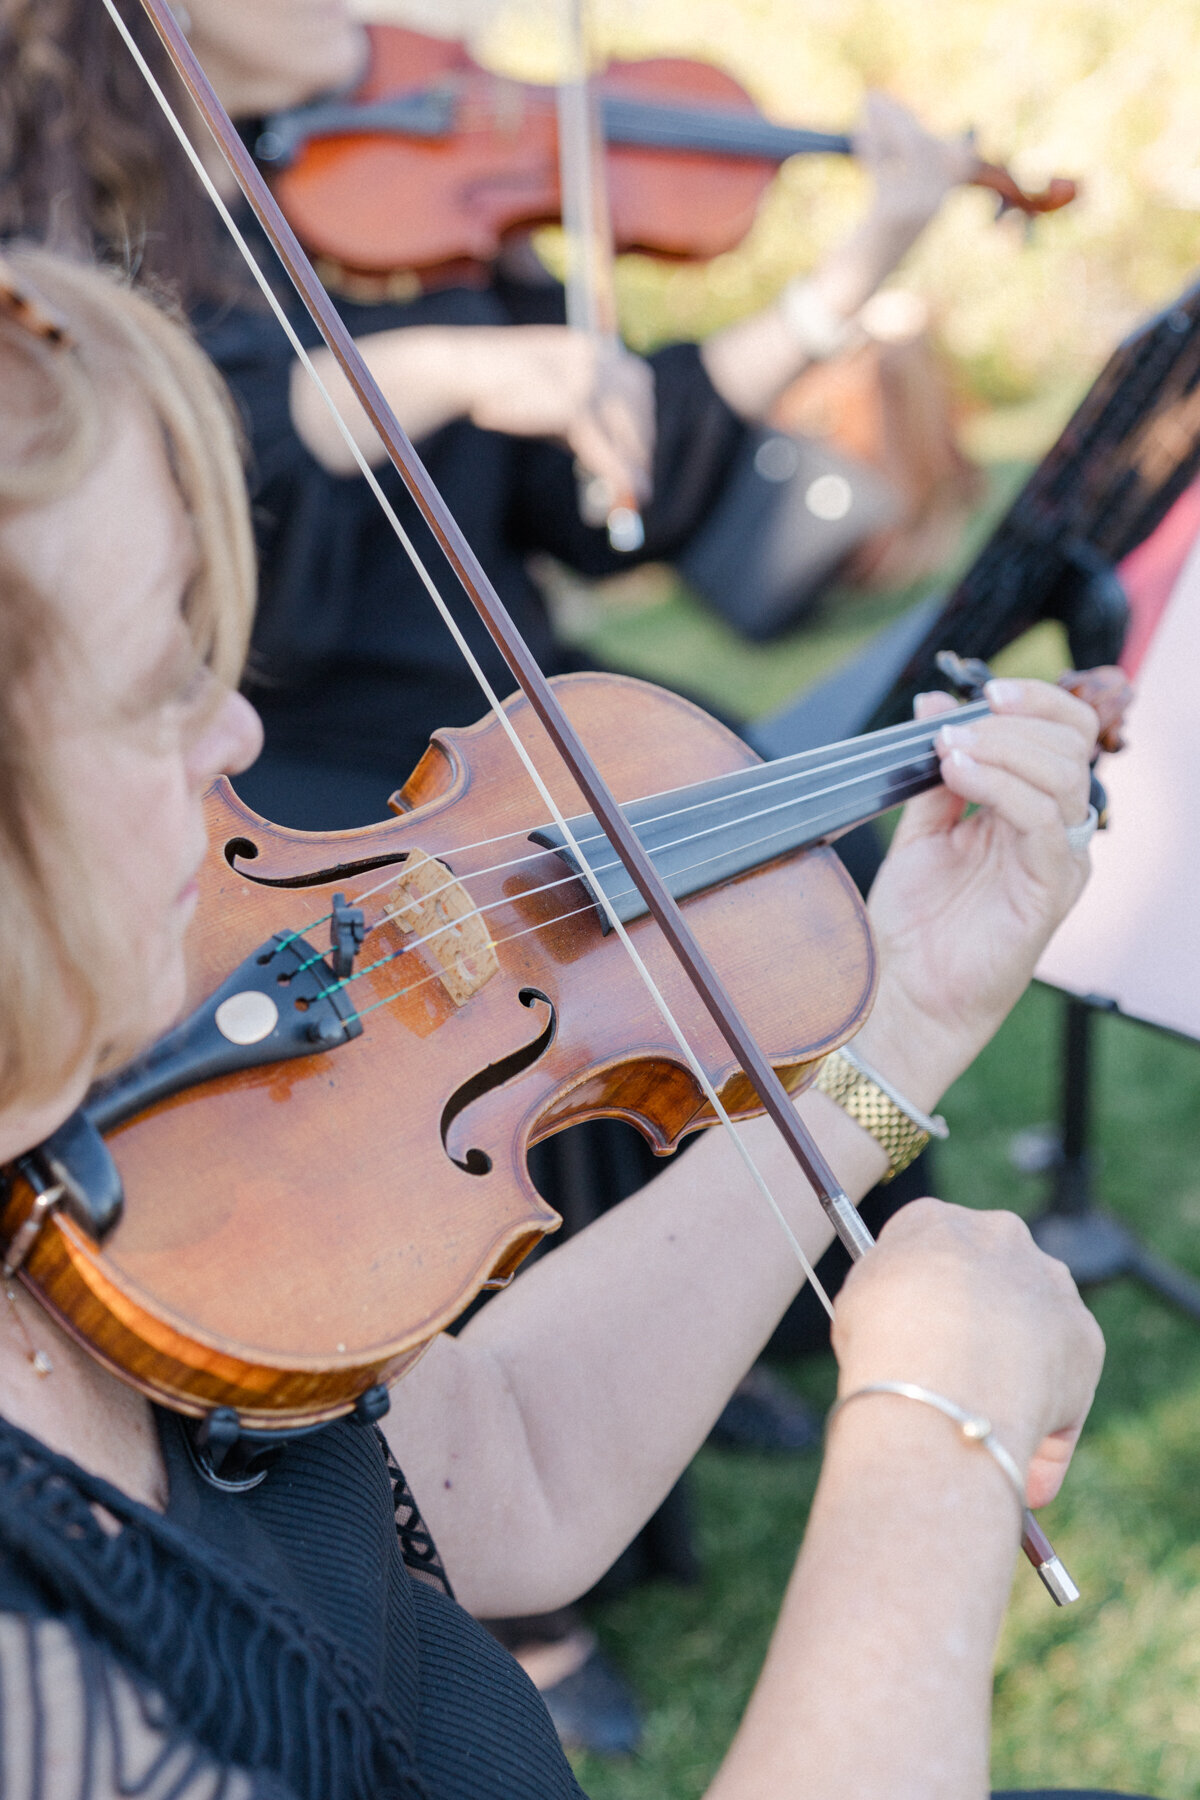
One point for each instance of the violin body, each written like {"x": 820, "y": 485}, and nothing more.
{"x": 394, "y": 201}
{"x": 295, "y": 1234}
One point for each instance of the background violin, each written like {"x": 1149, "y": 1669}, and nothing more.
{"x": 435, "y": 160}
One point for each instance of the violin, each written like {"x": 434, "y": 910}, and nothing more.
{"x": 434, "y": 161}
{"x": 268, "y": 1215}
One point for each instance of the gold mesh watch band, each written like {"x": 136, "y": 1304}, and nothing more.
{"x": 859, "y": 1095}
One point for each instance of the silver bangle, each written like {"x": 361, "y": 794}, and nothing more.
{"x": 976, "y": 1428}
{"x": 933, "y": 1123}
{"x": 818, "y": 329}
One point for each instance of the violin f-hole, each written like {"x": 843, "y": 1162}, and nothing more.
{"x": 475, "y": 1161}
{"x": 240, "y": 850}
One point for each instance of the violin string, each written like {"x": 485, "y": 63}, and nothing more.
{"x": 898, "y": 767}
{"x": 368, "y": 474}
{"x": 920, "y": 733}
{"x": 478, "y": 911}
{"x": 362, "y": 1012}
{"x": 873, "y": 775}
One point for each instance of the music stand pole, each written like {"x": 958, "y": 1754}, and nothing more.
{"x": 1094, "y": 1246}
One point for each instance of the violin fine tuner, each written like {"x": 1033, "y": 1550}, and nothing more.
{"x": 346, "y": 932}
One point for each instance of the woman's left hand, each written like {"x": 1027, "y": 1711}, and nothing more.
{"x": 912, "y": 170}
{"x": 964, "y": 903}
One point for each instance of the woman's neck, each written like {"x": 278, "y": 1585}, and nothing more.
{"x": 54, "y": 1390}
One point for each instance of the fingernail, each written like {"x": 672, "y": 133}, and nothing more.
{"x": 961, "y": 760}
{"x": 961, "y": 735}
{"x": 1002, "y": 693}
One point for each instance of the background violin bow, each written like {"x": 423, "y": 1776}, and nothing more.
{"x": 591, "y": 287}
{"x": 771, "y": 1092}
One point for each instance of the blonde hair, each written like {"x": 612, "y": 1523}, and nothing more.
{"x": 65, "y": 974}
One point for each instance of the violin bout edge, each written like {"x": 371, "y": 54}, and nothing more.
{"x": 178, "y": 1366}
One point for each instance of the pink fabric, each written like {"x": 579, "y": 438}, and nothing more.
{"x": 1150, "y": 572}
{"x": 1135, "y": 935}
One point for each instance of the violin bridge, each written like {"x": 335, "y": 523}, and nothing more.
{"x": 431, "y": 905}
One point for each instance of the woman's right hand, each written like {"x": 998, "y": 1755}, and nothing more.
{"x": 964, "y": 1303}
{"x": 551, "y": 381}
{"x": 545, "y": 381}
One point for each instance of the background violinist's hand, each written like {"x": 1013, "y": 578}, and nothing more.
{"x": 964, "y": 904}
{"x": 752, "y": 362}
{"x": 551, "y": 381}
{"x": 544, "y": 381}
{"x": 964, "y": 1303}
{"x": 911, "y": 169}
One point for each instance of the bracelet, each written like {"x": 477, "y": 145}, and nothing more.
{"x": 900, "y": 1129}
{"x": 820, "y": 331}
{"x": 976, "y": 1428}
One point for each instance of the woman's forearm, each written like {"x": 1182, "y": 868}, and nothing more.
{"x": 877, "y": 1684}
{"x": 574, "y": 1400}
{"x": 574, "y": 1415}
{"x": 421, "y": 371}
{"x": 752, "y": 362}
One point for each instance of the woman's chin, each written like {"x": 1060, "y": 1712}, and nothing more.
{"x": 166, "y": 1002}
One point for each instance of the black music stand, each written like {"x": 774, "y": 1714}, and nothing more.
{"x": 1095, "y": 1246}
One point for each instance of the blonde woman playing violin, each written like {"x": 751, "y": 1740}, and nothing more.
{"x": 157, "y": 1633}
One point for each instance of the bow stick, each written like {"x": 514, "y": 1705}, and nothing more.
{"x": 840, "y": 1210}
{"x": 591, "y": 275}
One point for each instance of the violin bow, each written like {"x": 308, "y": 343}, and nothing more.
{"x": 591, "y": 285}
{"x": 776, "y": 1101}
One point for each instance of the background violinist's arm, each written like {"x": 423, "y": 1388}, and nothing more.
{"x": 539, "y": 1440}
{"x": 545, "y": 381}
{"x": 751, "y": 363}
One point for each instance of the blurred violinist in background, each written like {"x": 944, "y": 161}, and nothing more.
{"x": 350, "y": 689}
{"x": 350, "y": 669}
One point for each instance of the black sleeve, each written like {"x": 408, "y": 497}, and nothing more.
{"x": 308, "y": 522}
{"x": 698, "y": 436}
{"x": 75, "y": 1726}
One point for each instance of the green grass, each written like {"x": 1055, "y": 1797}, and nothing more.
{"x": 1105, "y": 1694}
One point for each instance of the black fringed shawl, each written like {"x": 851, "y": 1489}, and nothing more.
{"x": 301, "y": 1632}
